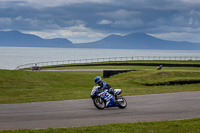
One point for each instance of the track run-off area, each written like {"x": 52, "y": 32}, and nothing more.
{"x": 72, "y": 113}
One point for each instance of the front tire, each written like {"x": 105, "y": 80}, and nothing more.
{"x": 99, "y": 102}
{"x": 122, "y": 104}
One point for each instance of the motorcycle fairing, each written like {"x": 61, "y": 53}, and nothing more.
{"x": 108, "y": 97}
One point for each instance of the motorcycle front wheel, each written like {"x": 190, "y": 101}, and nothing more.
{"x": 99, "y": 102}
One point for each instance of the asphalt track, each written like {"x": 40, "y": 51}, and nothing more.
{"x": 71, "y": 113}
{"x": 88, "y": 70}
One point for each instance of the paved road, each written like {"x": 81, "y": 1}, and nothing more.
{"x": 93, "y": 69}
{"x": 75, "y": 70}
{"x": 170, "y": 106}
{"x": 90, "y": 69}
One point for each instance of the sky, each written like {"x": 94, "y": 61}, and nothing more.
{"x": 91, "y": 20}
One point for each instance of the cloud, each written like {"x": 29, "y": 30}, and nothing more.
{"x": 85, "y": 18}
{"x": 77, "y": 34}
{"x": 47, "y": 3}
{"x": 119, "y": 14}
{"x": 129, "y": 24}
{"x": 105, "y": 22}
{"x": 191, "y": 1}
{"x": 179, "y": 36}
{"x": 5, "y": 21}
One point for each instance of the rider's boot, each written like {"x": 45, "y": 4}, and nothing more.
{"x": 115, "y": 98}
{"x": 114, "y": 95}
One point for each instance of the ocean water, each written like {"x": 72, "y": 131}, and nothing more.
{"x": 11, "y": 57}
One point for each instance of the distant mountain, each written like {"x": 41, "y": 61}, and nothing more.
{"x": 139, "y": 41}
{"x": 130, "y": 41}
{"x": 18, "y": 39}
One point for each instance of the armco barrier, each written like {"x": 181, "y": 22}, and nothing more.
{"x": 79, "y": 61}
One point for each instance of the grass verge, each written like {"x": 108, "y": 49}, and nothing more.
{"x": 180, "y": 126}
{"x": 37, "y": 86}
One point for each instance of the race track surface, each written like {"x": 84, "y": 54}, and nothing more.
{"x": 71, "y": 113}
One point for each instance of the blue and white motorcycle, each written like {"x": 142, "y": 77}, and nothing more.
{"x": 104, "y": 99}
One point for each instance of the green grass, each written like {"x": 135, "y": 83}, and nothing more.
{"x": 122, "y": 67}
{"x": 139, "y": 61}
{"x": 143, "y": 77}
{"x": 28, "y": 86}
{"x": 132, "y": 83}
{"x": 181, "y": 126}
{"x": 35, "y": 86}
{"x": 162, "y": 61}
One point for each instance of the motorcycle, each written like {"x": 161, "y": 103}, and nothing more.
{"x": 100, "y": 98}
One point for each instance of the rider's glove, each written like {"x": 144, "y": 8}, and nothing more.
{"x": 99, "y": 89}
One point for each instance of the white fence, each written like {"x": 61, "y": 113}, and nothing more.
{"x": 51, "y": 63}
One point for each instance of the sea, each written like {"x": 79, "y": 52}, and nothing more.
{"x": 11, "y": 57}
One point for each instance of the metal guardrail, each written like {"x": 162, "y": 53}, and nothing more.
{"x": 51, "y": 63}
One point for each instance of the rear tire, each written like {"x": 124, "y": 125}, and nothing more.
{"x": 99, "y": 102}
{"x": 122, "y": 104}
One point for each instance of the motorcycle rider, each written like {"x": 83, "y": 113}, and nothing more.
{"x": 105, "y": 87}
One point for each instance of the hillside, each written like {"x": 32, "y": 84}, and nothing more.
{"x": 130, "y": 41}
{"x": 139, "y": 41}
{"x": 18, "y": 39}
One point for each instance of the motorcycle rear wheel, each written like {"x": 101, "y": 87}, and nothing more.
{"x": 122, "y": 104}
{"x": 99, "y": 102}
